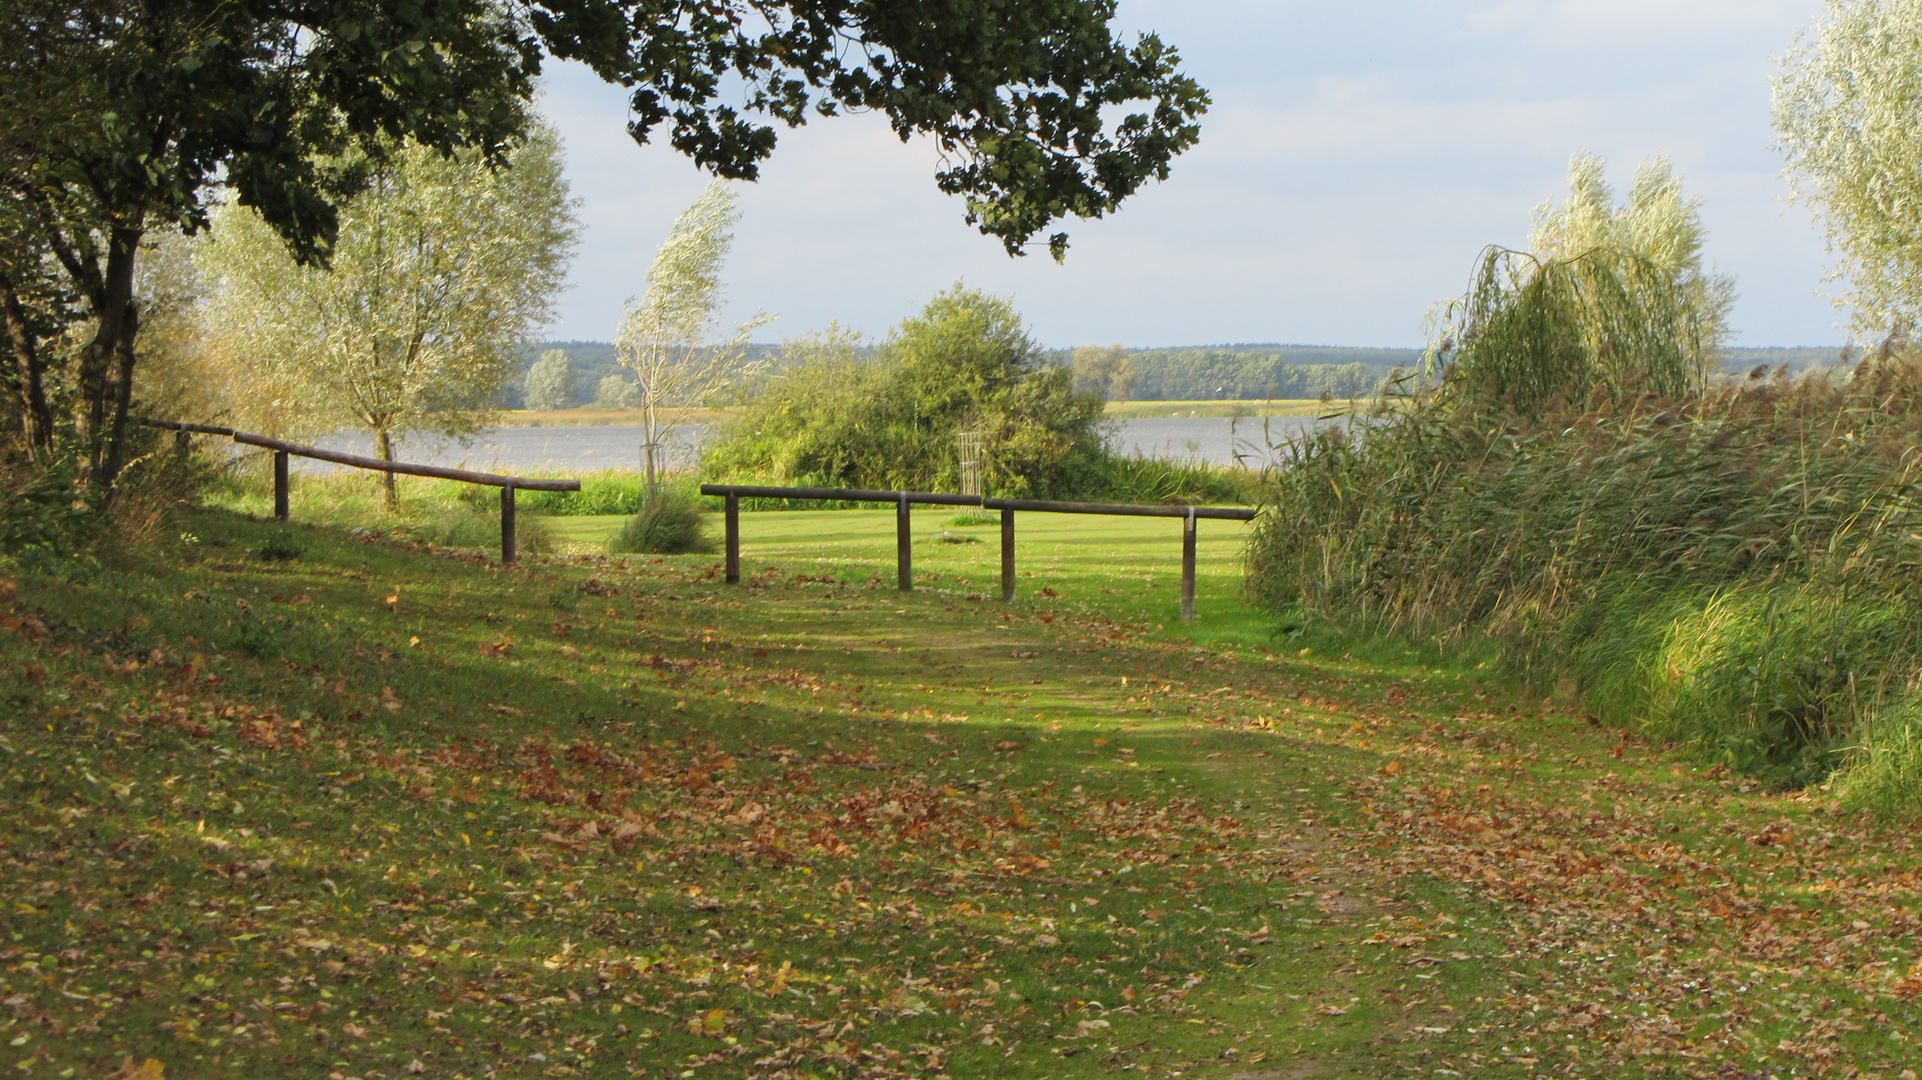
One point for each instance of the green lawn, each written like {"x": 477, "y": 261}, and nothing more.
{"x": 379, "y": 812}
{"x": 1127, "y": 567}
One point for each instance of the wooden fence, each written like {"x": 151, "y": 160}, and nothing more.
{"x": 283, "y": 450}
{"x": 902, "y": 500}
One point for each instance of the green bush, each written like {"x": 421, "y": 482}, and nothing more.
{"x": 609, "y": 492}
{"x": 965, "y": 363}
{"x": 44, "y": 525}
{"x": 670, "y": 525}
{"x": 281, "y": 546}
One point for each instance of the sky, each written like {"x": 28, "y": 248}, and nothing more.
{"x": 1357, "y": 157}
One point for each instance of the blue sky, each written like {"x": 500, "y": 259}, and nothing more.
{"x": 1357, "y": 157}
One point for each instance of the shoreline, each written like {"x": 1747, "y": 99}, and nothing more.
{"x": 1116, "y": 410}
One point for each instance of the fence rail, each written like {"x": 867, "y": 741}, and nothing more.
{"x": 283, "y": 450}
{"x": 904, "y": 552}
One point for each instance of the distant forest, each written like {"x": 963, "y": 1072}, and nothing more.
{"x": 1212, "y": 372}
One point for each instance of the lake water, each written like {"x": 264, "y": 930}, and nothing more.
{"x": 1217, "y": 440}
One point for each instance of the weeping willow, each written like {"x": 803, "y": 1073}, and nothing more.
{"x": 1532, "y": 329}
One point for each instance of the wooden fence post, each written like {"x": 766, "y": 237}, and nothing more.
{"x": 280, "y": 486}
{"x": 1188, "y": 567}
{"x": 733, "y": 517}
{"x": 1007, "y": 555}
{"x": 903, "y": 551}
{"x": 507, "y": 524}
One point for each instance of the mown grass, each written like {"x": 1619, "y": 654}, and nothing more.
{"x": 368, "y": 807}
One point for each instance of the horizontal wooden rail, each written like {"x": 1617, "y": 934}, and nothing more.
{"x": 198, "y": 429}
{"x": 1048, "y": 506}
{"x": 525, "y": 483}
{"x": 904, "y": 554}
{"x": 282, "y": 449}
{"x": 840, "y": 494}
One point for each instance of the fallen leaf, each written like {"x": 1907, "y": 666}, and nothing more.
{"x": 150, "y": 1069}
{"x": 710, "y": 1023}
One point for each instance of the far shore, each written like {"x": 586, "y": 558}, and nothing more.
{"x": 1119, "y": 410}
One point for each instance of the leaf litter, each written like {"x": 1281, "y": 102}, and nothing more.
{"x": 670, "y": 845}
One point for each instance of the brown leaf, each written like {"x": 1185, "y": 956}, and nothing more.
{"x": 150, "y": 1069}
{"x": 497, "y": 648}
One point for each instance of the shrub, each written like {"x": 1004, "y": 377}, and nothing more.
{"x": 281, "y": 546}
{"x": 965, "y": 363}
{"x": 670, "y": 525}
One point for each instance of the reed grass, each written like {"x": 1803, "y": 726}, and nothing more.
{"x": 1732, "y": 568}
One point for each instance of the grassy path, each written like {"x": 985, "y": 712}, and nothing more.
{"x": 377, "y": 813}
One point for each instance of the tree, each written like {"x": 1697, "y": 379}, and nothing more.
{"x": 964, "y": 363}
{"x": 441, "y": 270}
{"x": 617, "y": 392}
{"x": 551, "y": 382}
{"x": 1610, "y": 297}
{"x": 123, "y": 118}
{"x": 1658, "y": 224}
{"x": 1108, "y": 372}
{"x": 668, "y": 339}
{"x": 1845, "y": 117}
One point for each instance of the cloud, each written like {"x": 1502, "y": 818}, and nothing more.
{"x": 1356, "y": 159}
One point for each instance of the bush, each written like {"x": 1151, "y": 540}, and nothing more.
{"x": 281, "y": 546}
{"x": 43, "y": 525}
{"x": 965, "y": 363}
{"x": 670, "y": 525}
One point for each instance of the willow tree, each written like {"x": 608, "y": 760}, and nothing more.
{"x": 1846, "y": 117}
{"x": 442, "y": 269}
{"x": 671, "y": 337}
{"x": 1611, "y": 297}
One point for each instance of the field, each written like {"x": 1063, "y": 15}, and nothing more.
{"x": 301, "y": 803}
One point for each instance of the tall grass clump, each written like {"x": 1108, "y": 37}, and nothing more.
{"x": 669, "y": 524}
{"x": 1728, "y": 566}
{"x": 1733, "y": 568}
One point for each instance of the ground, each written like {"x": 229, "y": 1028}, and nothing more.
{"x": 379, "y": 811}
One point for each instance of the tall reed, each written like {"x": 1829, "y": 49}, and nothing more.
{"x": 1734, "y": 567}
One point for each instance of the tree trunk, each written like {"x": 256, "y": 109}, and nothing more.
{"x": 651, "y": 488}
{"x": 389, "y": 497}
{"x": 107, "y": 363}
{"x": 27, "y": 383}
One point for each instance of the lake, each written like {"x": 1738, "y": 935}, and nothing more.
{"x": 1216, "y": 440}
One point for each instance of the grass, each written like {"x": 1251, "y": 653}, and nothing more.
{"x": 361, "y": 807}
{"x": 1128, "y": 569}
{"x": 1731, "y": 570}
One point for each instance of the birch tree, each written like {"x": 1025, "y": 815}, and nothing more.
{"x": 1846, "y": 117}
{"x": 670, "y": 338}
{"x": 443, "y": 269}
